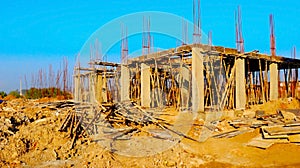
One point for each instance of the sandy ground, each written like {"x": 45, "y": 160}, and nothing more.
{"x": 30, "y": 138}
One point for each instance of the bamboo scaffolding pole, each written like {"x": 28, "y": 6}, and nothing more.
{"x": 228, "y": 88}
{"x": 261, "y": 81}
{"x": 296, "y": 86}
{"x": 289, "y": 82}
{"x": 266, "y": 81}
{"x": 286, "y": 82}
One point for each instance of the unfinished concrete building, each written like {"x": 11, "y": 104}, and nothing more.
{"x": 195, "y": 77}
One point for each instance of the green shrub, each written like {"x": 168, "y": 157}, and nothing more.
{"x": 15, "y": 93}
{"x": 37, "y": 93}
{"x": 3, "y": 94}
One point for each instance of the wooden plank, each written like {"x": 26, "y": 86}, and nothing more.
{"x": 288, "y": 116}
{"x": 230, "y": 134}
{"x": 160, "y": 133}
{"x": 259, "y": 142}
{"x": 267, "y": 136}
{"x": 280, "y": 130}
{"x": 224, "y": 134}
{"x": 294, "y": 111}
{"x": 295, "y": 123}
{"x": 294, "y": 138}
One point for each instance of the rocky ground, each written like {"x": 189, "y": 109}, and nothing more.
{"x": 30, "y": 137}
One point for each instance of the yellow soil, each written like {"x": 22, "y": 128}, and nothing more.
{"x": 38, "y": 143}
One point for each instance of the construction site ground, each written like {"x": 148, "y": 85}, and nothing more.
{"x": 30, "y": 137}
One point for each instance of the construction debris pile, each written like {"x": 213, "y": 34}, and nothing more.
{"x": 31, "y": 127}
{"x": 276, "y": 126}
{"x": 283, "y": 127}
{"x": 120, "y": 121}
{"x": 50, "y": 133}
{"x": 62, "y": 134}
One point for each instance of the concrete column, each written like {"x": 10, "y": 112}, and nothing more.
{"x": 145, "y": 86}
{"x": 91, "y": 88}
{"x": 273, "y": 81}
{"x": 197, "y": 80}
{"x": 125, "y": 83}
{"x": 76, "y": 86}
{"x": 98, "y": 89}
{"x": 240, "y": 90}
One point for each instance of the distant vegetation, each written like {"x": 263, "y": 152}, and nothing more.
{"x": 15, "y": 94}
{"x": 46, "y": 83}
{"x": 50, "y": 83}
{"x": 37, "y": 93}
{"x": 11, "y": 94}
{"x": 3, "y": 94}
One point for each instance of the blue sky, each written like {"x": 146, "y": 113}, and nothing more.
{"x": 34, "y": 34}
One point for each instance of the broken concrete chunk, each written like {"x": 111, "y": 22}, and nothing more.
{"x": 259, "y": 114}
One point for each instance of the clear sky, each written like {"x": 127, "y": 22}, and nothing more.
{"x": 34, "y": 34}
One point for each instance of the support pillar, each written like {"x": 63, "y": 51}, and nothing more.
{"x": 125, "y": 83}
{"x": 91, "y": 88}
{"x": 76, "y": 86}
{"x": 145, "y": 86}
{"x": 98, "y": 89}
{"x": 240, "y": 90}
{"x": 197, "y": 80}
{"x": 273, "y": 81}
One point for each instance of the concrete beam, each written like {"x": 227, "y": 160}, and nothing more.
{"x": 273, "y": 81}
{"x": 125, "y": 83}
{"x": 145, "y": 86}
{"x": 240, "y": 90}
{"x": 197, "y": 80}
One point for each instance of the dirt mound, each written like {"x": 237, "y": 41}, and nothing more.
{"x": 30, "y": 136}
{"x": 9, "y": 97}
